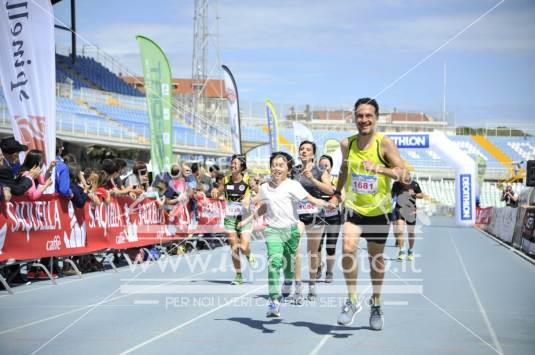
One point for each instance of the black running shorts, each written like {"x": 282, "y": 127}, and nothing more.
{"x": 374, "y": 229}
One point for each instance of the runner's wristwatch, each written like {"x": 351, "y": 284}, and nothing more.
{"x": 337, "y": 193}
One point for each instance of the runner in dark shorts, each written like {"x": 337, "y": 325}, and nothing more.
{"x": 317, "y": 183}
{"x": 405, "y": 214}
{"x": 371, "y": 160}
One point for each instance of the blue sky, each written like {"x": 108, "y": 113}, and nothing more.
{"x": 332, "y": 52}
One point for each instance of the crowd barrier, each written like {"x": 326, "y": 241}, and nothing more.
{"x": 51, "y": 226}
{"x": 515, "y": 226}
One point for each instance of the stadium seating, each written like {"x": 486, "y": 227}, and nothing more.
{"x": 138, "y": 120}
{"x": 63, "y": 77}
{"x": 66, "y": 105}
{"x": 114, "y": 121}
{"x": 443, "y": 192}
{"x": 517, "y": 148}
{"x": 94, "y": 72}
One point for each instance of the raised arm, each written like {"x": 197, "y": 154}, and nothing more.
{"x": 324, "y": 184}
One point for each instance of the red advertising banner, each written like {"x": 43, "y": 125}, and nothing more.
{"x": 39, "y": 228}
{"x": 211, "y": 213}
{"x": 51, "y": 226}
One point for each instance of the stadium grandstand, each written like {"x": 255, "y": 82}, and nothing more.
{"x": 97, "y": 105}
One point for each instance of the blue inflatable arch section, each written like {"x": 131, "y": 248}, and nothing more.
{"x": 465, "y": 169}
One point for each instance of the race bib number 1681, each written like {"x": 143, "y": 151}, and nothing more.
{"x": 364, "y": 184}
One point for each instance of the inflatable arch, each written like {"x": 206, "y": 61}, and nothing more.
{"x": 465, "y": 168}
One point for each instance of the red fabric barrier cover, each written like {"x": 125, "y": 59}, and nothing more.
{"x": 51, "y": 226}
{"x": 484, "y": 215}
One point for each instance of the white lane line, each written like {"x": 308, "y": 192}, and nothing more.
{"x": 478, "y": 300}
{"x": 78, "y": 309}
{"x": 396, "y": 303}
{"x": 461, "y": 324}
{"x": 146, "y": 302}
{"x": 105, "y": 300}
{"x": 104, "y": 273}
{"x": 322, "y": 342}
{"x": 326, "y": 337}
{"x": 86, "y": 277}
{"x": 452, "y": 317}
{"x": 70, "y": 325}
{"x": 174, "y": 329}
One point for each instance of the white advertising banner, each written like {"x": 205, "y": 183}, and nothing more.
{"x": 233, "y": 109}
{"x": 28, "y": 72}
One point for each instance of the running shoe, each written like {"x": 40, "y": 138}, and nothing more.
{"x": 376, "y": 318}
{"x": 312, "y": 294}
{"x": 349, "y": 311}
{"x": 238, "y": 280}
{"x": 410, "y": 255}
{"x": 298, "y": 298}
{"x": 251, "y": 259}
{"x": 401, "y": 255}
{"x": 329, "y": 277}
{"x": 273, "y": 310}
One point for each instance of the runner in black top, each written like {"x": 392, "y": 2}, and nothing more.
{"x": 317, "y": 183}
{"x": 405, "y": 213}
{"x": 237, "y": 197}
{"x": 333, "y": 223}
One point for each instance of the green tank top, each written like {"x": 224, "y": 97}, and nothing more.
{"x": 367, "y": 193}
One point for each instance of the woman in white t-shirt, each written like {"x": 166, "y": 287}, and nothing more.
{"x": 279, "y": 200}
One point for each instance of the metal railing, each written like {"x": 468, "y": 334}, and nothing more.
{"x": 496, "y": 130}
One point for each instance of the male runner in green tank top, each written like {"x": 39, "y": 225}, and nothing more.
{"x": 371, "y": 160}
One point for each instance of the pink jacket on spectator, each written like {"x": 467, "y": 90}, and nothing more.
{"x": 32, "y": 193}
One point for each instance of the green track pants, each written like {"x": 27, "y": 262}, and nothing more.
{"x": 281, "y": 246}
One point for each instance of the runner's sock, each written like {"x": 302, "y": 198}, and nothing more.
{"x": 376, "y": 301}
{"x": 354, "y": 298}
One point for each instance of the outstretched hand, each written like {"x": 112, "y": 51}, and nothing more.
{"x": 334, "y": 201}
{"x": 328, "y": 205}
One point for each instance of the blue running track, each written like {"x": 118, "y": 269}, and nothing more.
{"x": 464, "y": 293}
